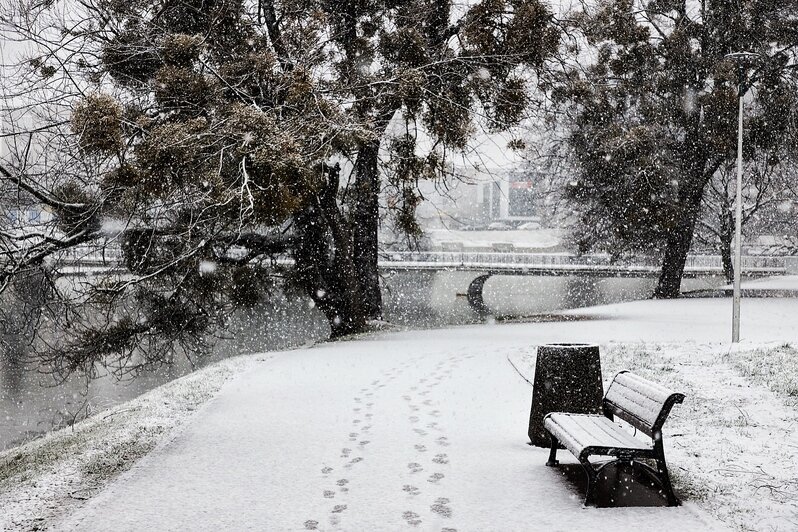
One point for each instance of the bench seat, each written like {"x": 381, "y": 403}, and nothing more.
{"x": 586, "y": 434}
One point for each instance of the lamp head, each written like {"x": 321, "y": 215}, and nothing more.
{"x": 743, "y": 57}
{"x": 743, "y": 61}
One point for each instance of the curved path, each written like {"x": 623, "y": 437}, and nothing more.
{"x": 418, "y": 431}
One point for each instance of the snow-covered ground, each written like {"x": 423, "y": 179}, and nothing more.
{"x": 780, "y": 282}
{"x": 427, "y": 431}
{"x": 44, "y": 480}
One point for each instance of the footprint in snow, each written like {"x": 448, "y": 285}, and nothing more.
{"x": 310, "y": 524}
{"x": 415, "y": 467}
{"x": 443, "y": 441}
{"x": 420, "y": 448}
{"x": 441, "y": 507}
{"x": 435, "y": 477}
{"x": 441, "y": 459}
{"x": 327, "y": 470}
{"x": 411, "y": 490}
{"x": 342, "y": 482}
{"x": 412, "y": 518}
{"x": 338, "y": 508}
{"x": 329, "y": 494}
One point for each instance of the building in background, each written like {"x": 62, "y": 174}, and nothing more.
{"x": 478, "y": 197}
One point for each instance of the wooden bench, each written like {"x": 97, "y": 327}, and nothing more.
{"x": 644, "y": 405}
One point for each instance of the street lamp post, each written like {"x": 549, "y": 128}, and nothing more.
{"x": 742, "y": 60}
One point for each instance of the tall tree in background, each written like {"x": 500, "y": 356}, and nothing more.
{"x": 653, "y": 114}
{"x": 208, "y": 137}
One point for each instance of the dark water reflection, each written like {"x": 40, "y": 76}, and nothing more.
{"x": 31, "y": 404}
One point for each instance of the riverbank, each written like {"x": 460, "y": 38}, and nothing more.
{"x": 46, "y": 479}
{"x": 325, "y": 437}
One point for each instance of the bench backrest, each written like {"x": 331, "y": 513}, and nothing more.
{"x": 643, "y": 404}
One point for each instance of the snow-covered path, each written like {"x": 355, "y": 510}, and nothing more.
{"x": 422, "y": 430}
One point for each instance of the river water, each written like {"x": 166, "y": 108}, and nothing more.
{"x": 32, "y": 404}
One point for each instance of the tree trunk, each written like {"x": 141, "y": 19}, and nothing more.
{"x": 726, "y": 259}
{"x": 365, "y": 223}
{"x": 324, "y": 262}
{"x": 678, "y": 245}
{"x": 670, "y": 279}
{"x": 698, "y": 169}
{"x": 726, "y": 239}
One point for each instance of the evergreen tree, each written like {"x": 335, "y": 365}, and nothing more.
{"x": 209, "y": 137}
{"x": 440, "y": 68}
{"x": 653, "y": 115}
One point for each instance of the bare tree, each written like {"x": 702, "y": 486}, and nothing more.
{"x": 768, "y": 184}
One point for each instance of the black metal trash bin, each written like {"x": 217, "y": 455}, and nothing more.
{"x": 567, "y": 379}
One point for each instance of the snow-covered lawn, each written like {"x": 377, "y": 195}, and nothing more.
{"x": 427, "y": 431}
{"x": 733, "y": 444}
{"x": 779, "y": 282}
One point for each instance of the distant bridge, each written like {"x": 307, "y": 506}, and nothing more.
{"x": 91, "y": 261}
{"x": 565, "y": 265}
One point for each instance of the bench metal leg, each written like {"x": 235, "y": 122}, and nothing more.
{"x": 592, "y": 478}
{"x": 662, "y": 471}
{"x": 665, "y": 479}
{"x": 553, "y": 453}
